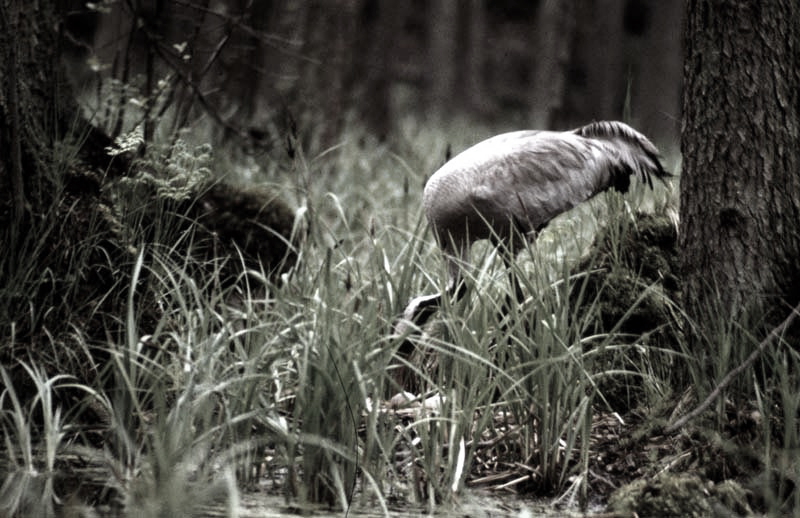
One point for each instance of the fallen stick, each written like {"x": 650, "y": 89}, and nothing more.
{"x": 775, "y": 333}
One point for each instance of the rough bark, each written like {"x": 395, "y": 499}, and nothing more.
{"x": 11, "y": 168}
{"x": 35, "y": 107}
{"x": 740, "y": 187}
{"x": 38, "y": 115}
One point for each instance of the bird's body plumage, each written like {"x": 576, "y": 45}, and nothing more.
{"x": 513, "y": 184}
{"x": 521, "y": 180}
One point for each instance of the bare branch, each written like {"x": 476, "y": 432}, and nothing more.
{"x": 198, "y": 94}
{"x": 271, "y": 40}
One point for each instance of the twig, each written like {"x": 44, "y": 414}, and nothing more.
{"x": 496, "y": 439}
{"x": 259, "y": 35}
{"x": 199, "y": 96}
{"x": 512, "y": 483}
{"x": 775, "y": 333}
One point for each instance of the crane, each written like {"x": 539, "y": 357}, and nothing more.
{"x": 507, "y": 188}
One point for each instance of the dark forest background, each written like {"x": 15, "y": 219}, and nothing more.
{"x": 508, "y": 63}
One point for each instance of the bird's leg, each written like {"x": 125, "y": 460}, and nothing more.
{"x": 456, "y": 288}
{"x": 422, "y": 308}
{"x": 417, "y": 313}
{"x": 455, "y": 285}
{"x": 509, "y": 305}
{"x": 508, "y": 251}
{"x": 509, "y": 248}
{"x": 508, "y": 261}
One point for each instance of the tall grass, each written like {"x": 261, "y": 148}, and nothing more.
{"x": 33, "y": 431}
{"x": 778, "y": 401}
{"x": 215, "y": 387}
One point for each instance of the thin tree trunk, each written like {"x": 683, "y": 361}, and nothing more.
{"x": 554, "y": 29}
{"x": 34, "y": 101}
{"x": 596, "y": 62}
{"x": 605, "y": 75}
{"x": 12, "y": 166}
{"x": 442, "y": 41}
{"x": 329, "y": 34}
{"x": 381, "y": 32}
{"x": 281, "y": 60}
{"x": 740, "y": 187}
{"x": 474, "y": 58}
{"x": 657, "y": 102}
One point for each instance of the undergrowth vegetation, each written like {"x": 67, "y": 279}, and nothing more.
{"x": 216, "y": 375}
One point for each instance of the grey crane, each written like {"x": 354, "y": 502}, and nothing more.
{"x": 513, "y": 184}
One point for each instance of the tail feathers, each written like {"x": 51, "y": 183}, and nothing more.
{"x": 637, "y": 155}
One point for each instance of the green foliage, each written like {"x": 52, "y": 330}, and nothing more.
{"x": 174, "y": 174}
{"x": 184, "y": 386}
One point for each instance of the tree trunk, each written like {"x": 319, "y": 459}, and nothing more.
{"x": 381, "y": 23}
{"x": 328, "y": 37}
{"x": 31, "y": 109}
{"x": 43, "y": 213}
{"x": 740, "y": 188}
{"x": 281, "y": 61}
{"x": 442, "y": 41}
{"x": 473, "y": 58}
{"x": 555, "y": 28}
{"x": 656, "y": 100}
{"x": 597, "y": 71}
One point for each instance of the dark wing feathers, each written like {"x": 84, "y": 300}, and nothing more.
{"x": 646, "y": 159}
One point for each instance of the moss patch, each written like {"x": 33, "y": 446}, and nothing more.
{"x": 680, "y": 495}
{"x": 633, "y": 275}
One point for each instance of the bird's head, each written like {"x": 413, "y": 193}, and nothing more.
{"x": 417, "y": 313}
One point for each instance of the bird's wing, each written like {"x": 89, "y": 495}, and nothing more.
{"x": 530, "y": 177}
{"x": 537, "y": 176}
